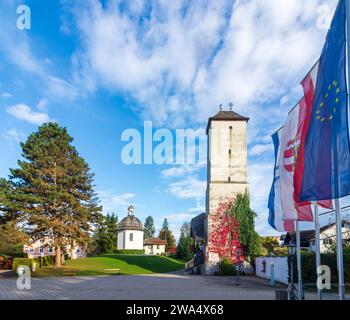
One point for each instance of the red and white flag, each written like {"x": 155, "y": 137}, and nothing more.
{"x": 309, "y": 86}
{"x": 290, "y": 142}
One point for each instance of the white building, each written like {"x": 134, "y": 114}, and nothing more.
{"x": 45, "y": 247}
{"x": 130, "y": 232}
{"x": 154, "y": 247}
{"x": 328, "y": 237}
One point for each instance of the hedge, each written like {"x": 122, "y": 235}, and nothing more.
{"x": 45, "y": 261}
{"x": 131, "y": 252}
{"x": 328, "y": 259}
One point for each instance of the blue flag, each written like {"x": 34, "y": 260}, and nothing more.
{"x": 327, "y": 159}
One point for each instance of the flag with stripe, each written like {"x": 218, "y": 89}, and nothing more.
{"x": 275, "y": 205}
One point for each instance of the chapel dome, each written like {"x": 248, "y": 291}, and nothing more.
{"x": 130, "y": 223}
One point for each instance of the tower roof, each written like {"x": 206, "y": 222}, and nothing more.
{"x": 226, "y": 116}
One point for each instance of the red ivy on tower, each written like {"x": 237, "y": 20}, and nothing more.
{"x": 224, "y": 235}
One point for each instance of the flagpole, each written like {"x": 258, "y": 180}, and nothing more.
{"x": 318, "y": 249}
{"x": 300, "y": 279}
{"x": 340, "y": 261}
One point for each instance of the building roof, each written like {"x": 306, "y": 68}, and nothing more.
{"x": 130, "y": 223}
{"x": 226, "y": 116}
{"x": 154, "y": 241}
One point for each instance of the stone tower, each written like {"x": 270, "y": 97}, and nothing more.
{"x": 227, "y": 168}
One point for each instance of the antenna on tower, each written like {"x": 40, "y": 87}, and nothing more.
{"x": 231, "y": 106}
{"x": 220, "y": 107}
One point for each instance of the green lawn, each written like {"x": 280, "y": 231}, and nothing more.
{"x": 128, "y": 264}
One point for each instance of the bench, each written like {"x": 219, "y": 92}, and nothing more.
{"x": 114, "y": 271}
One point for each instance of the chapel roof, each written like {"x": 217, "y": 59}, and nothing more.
{"x": 130, "y": 223}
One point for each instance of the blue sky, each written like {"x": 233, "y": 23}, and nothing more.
{"x": 99, "y": 68}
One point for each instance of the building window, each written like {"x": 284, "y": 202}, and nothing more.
{"x": 31, "y": 250}
{"x": 229, "y": 179}
{"x": 78, "y": 250}
{"x": 50, "y": 250}
{"x": 42, "y": 240}
{"x": 41, "y": 250}
{"x": 131, "y": 237}
{"x": 158, "y": 246}
{"x": 150, "y": 247}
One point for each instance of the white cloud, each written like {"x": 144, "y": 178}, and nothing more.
{"x": 6, "y": 95}
{"x": 181, "y": 170}
{"x": 260, "y": 149}
{"x": 185, "y": 58}
{"x": 14, "y": 136}
{"x": 189, "y": 188}
{"x": 42, "y": 104}
{"x": 123, "y": 199}
{"x": 24, "y": 112}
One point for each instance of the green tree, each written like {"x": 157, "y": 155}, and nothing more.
{"x": 165, "y": 224}
{"x": 51, "y": 191}
{"x": 149, "y": 228}
{"x": 12, "y": 239}
{"x": 270, "y": 244}
{"x": 245, "y": 216}
{"x": 166, "y": 234}
{"x": 112, "y": 227}
{"x": 184, "y": 249}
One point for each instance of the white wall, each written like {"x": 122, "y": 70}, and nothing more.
{"x": 124, "y": 242}
{"x": 155, "y": 251}
{"x": 281, "y": 268}
{"x": 120, "y": 245}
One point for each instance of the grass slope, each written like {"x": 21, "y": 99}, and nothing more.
{"x": 127, "y": 264}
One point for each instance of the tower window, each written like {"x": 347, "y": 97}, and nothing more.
{"x": 229, "y": 179}
{"x": 230, "y": 151}
{"x": 131, "y": 237}
{"x": 231, "y": 127}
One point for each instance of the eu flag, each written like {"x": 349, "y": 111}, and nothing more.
{"x": 327, "y": 159}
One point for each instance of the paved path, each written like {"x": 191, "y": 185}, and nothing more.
{"x": 140, "y": 287}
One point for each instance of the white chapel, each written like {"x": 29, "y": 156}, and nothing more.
{"x": 130, "y": 232}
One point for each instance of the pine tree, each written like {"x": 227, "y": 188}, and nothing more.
{"x": 184, "y": 249}
{"x": 166, "y": 234}
{"x": 165, "y": 224}
{"x": 112, "y": 233}
{"x": 149, "y": 228}
{"x": 51, "y": 190}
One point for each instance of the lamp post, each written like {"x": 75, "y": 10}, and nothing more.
{"x": 238, "y": 282}
{"x": 291, "y": 252}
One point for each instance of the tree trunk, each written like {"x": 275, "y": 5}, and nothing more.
{"x": 57, "y": 257}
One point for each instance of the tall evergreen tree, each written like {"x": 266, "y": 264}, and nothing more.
{"x": 184, "y": 249}
{"x": 112, "y": 226}
{"x": 166, "y": 234}
{"x": 149, "y": 228}
{"x": 51, "y": 191}
{"x": 165, "y": 224}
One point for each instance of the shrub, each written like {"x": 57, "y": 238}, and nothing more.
{"x": 22, "y": 262}
{"x": 45, "y": 261}
{"x": 227, "y": 268}
{"x": 131, "y": 252}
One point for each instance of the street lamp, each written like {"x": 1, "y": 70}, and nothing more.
{"x": 238, "y": 282}
{"x": 292, "y": 252}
